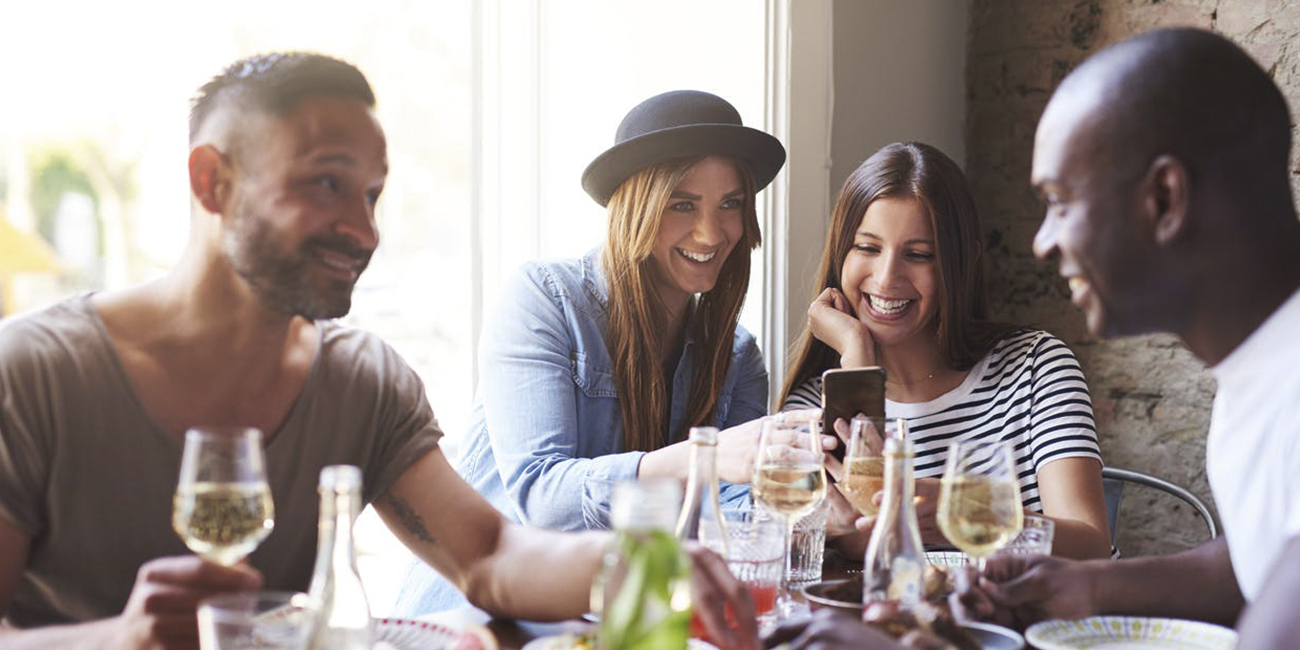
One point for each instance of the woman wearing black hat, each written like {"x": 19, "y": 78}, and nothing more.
{"x": 594, "y": 369}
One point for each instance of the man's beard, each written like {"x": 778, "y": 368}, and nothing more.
{"x": 283, "y": 281}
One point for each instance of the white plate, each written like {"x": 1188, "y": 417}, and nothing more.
{"x": 1130, "y": 633}
{"x": 573, "y": 642}
{"x": 410, "y": 634}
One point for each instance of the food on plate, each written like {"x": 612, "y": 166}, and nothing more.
{"x": 475, "y": 637}
{"x": 932, "y": 616}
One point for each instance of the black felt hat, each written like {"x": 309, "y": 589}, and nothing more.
{"x": 678, "y": 124}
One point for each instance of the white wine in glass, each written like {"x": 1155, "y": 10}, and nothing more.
{"x": 863, "y": 473}
{"x": 979, "y": 498}
{"x": 789, "y": 478}
{"x": 222, "y": 508}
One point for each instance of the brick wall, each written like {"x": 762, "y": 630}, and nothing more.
{"x": 1151, "y": 396}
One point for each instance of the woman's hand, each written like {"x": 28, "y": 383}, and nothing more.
{"x": 738, "y": 446}
{"x": 832, "y": 321}
{"x": 926, "y": 502}
{"x": 927, "y": 507}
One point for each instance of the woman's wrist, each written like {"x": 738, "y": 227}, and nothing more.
{"x": 858, "y": 355}
{"x": 665, "y": 462}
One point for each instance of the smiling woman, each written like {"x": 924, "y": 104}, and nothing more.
{"x": 901, "y": 285}
{"x": 595, "y": 368}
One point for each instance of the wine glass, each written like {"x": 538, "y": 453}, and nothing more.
{"x": 222, "y": 508}
{"x": 789, "y": 479}
{"x": 863, "y": 473}
{"x": 979, "y": 498}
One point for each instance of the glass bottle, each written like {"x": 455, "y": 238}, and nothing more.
{"x": 643, "y": 592}
{"x": 342, "y": 620}
{"x": 701, "y": 516}
{"x": 894, "y": 566}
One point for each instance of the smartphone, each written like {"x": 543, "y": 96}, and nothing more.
{"x": 847, "y": 392}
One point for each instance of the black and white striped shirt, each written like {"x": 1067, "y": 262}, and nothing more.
{"x": 1029, "y": 391}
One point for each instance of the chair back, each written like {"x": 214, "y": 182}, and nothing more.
{"x": 1113, "y": 480}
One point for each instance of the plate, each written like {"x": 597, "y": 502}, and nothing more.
{"x": 1130, "y": 633}
{"x": 410, "y": 634}
{"x": 994, "y": 637}
{"x": 947, "y": 558}
{"x": 579, "y": 642}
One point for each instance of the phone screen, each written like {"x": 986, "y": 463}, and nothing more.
{"x": 847, "y": 392}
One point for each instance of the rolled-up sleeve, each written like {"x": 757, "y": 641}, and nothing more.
{"x": 530, "y": 397}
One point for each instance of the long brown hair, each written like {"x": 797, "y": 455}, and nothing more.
{"x": 638, "y": 318}
{"x": 919, "y": 171}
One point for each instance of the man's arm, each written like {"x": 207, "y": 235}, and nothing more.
{"x": 501, "y": 567}
{"x": 159, "y": 614}
{"x": 1271, "y": 621}
{"x": 525, "y": 572}
{"x": 1198, "y": 584}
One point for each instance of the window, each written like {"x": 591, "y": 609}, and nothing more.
{"x": 492, "y": 108}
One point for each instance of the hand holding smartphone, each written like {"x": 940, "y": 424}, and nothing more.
{"x": 847, "y": 392}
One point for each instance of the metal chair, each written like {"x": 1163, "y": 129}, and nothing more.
{"x": 1113, "y": 480}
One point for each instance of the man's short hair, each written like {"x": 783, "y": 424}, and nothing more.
{"x": 276, "y": 83}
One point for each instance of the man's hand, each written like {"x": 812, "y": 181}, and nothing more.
{"x": 1017, "y": 590}
{"x": 713, "y": 591}
{"x": 831, "y": 630}
{"x": 160, "y": 614}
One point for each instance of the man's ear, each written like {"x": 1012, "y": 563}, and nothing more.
{"x": 1167, "y": 198}
{"x": 210, "y": 175}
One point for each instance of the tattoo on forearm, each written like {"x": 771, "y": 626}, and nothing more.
{"x": 409, "y": 519}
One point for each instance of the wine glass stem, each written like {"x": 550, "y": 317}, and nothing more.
{"x": 789, "y": 562}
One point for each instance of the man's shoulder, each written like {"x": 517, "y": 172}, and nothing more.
{"x": 65, "y": 324}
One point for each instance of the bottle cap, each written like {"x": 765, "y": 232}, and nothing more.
{"x": 340, "y": 478}
{"x": 704, "y": 435}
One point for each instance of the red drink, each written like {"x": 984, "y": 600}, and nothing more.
{"x": 764, "y": 596}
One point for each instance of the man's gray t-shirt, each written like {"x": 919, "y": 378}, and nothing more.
{"x": 89, "y": 476}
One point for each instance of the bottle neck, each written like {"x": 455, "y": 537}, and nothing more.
{"x": 336, "y": 549}
{"x": 899, "y": 488}
{"x": 701, "y": 504}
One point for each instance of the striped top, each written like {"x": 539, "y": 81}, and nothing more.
{"x": 1029, "y": 391}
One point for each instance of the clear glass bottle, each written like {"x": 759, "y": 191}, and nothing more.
{"x": 701, "y": 516}
{"x": 894, "y": 566}
{"x": 643, "y": 593}
{"x": 342, "y": 620}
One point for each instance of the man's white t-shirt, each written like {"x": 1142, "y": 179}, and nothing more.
{"x": 1253, "y": 451}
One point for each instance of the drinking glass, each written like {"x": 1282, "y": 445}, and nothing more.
{"x": 260, "y": 620}
{"x": 755, "y": 555}
{"x": 789, "y": 479}
{"x": 1035, "y": 537}
{"x": 864, "y": 464}
{"x": 222, "y": 507}
{"x": 979, "y": 498}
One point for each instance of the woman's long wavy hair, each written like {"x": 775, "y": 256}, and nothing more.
{"x": 638, "y": 317}
{"x": 922, "y": 172}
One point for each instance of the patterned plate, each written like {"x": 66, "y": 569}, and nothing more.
{"x": 947, "y": 558}
{"x": 578, "y": 642}
{"x": 1130, "y": 633}
{"x": 408, "y": 634}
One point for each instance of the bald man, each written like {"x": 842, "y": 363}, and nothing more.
{"x": 286, "y": 164}
{"x": 1164, "y": 163}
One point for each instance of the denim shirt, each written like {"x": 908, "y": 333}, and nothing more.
{"x": 544, "y": 444}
